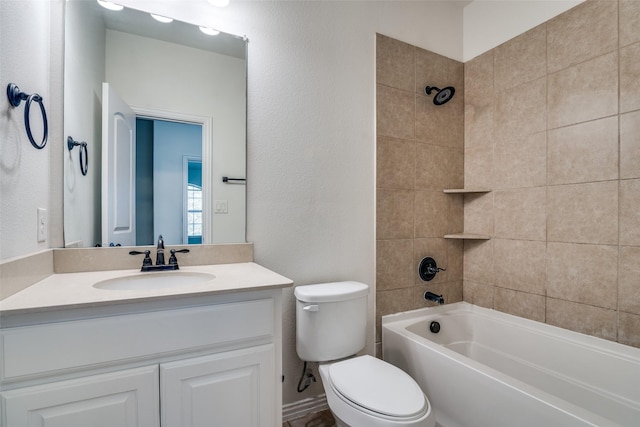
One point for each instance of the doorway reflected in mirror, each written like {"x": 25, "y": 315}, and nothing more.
{"x": 168, "y": 182}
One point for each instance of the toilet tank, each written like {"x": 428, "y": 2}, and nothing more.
{"x": 331, "y": 320}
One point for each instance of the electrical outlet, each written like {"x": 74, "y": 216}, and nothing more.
{"x": 42, "y": 225}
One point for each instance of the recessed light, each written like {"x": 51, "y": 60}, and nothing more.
{"x": 219, "y": 3}
{"x": 110, "y": 5}
{"x": 161, "y": 18}
{"x": 209, "y": 31}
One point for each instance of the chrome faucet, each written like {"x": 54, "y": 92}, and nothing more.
{"x": 147, "y": 264}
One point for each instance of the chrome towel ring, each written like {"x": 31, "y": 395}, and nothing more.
{"x": 84, "y": 154}
{"x": 16, "y": 96}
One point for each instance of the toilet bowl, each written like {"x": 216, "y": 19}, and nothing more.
{"x": 368, "y": 392}
{"x": 361, "y": 391}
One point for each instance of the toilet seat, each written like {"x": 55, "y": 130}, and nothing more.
{"x": 379, "y": 388}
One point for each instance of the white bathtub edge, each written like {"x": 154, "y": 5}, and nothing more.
{"x": 398, "y": 322}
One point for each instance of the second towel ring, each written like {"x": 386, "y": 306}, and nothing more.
{"x": 84, "y": 154}
{"x": 16, "y": 96}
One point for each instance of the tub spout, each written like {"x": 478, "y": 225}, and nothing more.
{"x": 430, "y": 296}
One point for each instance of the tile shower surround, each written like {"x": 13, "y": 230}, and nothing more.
{"x": 552, "y": 124}
{"x": 420, "y": 151}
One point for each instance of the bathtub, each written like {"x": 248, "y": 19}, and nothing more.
{"x": 489, "y": 369}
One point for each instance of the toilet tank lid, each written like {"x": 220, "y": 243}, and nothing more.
{"x": 331, "y": 292}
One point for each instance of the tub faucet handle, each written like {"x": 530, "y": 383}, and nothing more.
{"x": 434, "y": 270}
{"x": 428, "y": 269}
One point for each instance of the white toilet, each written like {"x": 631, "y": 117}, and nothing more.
{"x": 361, "y": 391}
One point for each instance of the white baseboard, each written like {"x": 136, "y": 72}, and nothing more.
{"x": 301, "y": 408}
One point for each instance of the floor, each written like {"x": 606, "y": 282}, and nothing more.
{"x": 319, "y": 419}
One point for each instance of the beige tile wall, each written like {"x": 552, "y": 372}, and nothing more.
{"x": 552, "y": 125}
{"x": 419, "y": 153}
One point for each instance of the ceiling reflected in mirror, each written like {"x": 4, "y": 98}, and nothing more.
{"x": 134, "y": 22}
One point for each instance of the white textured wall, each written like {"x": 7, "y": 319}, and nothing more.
{"x": 489, "y": 23}
{"x": 25, "y": 52}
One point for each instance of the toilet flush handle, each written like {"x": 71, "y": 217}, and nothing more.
{"x": 311, "y": 307}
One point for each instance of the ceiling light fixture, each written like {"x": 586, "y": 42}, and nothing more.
{"x": 110, "y": 5}
{"x": 219, "y": 3}
{"x": 161, "y": 18}
{"x": 209, "y": 31}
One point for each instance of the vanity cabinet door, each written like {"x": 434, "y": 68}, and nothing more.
{"x": 231, "y": 389}
{"x": 126, "y": 398}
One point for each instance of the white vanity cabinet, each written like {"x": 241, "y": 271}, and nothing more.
{"x": 203, "y": 361}
{"x": 127, "y": 398}
{"x": 228, "y": 389}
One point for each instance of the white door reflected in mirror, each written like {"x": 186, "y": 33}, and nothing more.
{"x": 118, "y": 170}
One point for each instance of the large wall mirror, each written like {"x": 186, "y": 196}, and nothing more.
{"x": 161, "y": 107}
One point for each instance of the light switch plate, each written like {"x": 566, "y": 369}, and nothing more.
{"x": 221, "y": 207}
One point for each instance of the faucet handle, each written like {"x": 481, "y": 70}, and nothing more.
{"x": 172, "y": 259}
{"x": 147, "y": 256}
{"x": 428, "y": 269}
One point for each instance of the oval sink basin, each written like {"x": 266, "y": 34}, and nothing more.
{"x": 154, "y": 281}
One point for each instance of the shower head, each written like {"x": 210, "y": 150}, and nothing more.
{"x": 442, "y": 96}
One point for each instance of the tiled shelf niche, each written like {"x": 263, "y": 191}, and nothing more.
{"x": 467, "y": 236}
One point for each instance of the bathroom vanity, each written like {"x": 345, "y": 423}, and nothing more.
{"x": 209, "y": 353}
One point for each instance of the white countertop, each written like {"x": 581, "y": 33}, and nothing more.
{"x": 74, "y": 290}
